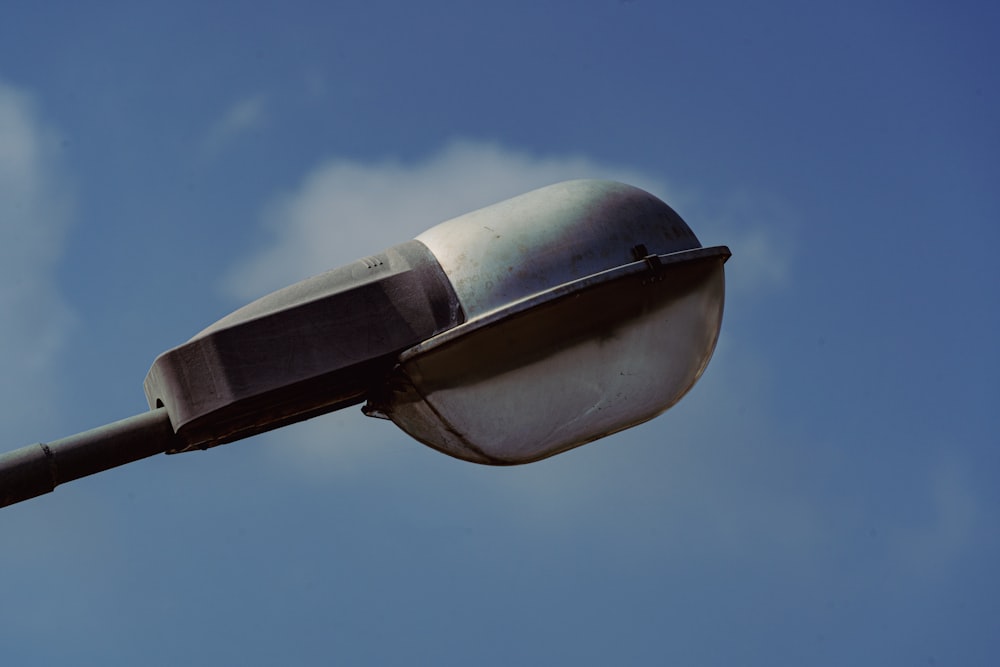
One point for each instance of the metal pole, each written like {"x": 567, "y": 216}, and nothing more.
{"x": 37, "y": 469}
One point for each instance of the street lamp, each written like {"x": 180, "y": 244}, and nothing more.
{"x": 503, "y": 336}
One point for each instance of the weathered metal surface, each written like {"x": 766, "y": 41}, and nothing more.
{"x": 548, "y": 237}
{"x": 311, "y": 348}
{"x": 328, "y": 342}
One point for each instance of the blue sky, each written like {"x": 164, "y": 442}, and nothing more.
{"x": 825, "y": 495}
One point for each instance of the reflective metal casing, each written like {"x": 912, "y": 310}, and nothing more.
{"x": 316, "y": 346}
{"x": 551, "y": 236}
{"x": 591, "y": 308}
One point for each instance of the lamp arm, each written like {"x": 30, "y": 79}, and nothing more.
{"x": 37, "y": 469}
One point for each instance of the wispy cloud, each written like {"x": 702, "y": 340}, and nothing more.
{"x": 244, "y": 116}
{"x": 345, "y": 209}
{"x": 761, "y": 231}
{"x": 720, "y": 474}
{"x": 35, "y": 211}
{"x": 948, "y": 529}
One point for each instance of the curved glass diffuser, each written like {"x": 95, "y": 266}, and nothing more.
{"x": 565, "y": 367}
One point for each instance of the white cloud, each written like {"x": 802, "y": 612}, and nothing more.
{"x": 719, "y": 474}
{"x": 345, "y": 209}
{"x": 947, "y": 529}
{"x": 244, "y": 116}
{"x": 34, "y": 215}
{"x": 760, "y": 230}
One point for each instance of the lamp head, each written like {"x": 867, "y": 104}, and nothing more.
{"x": 503, "y": 336}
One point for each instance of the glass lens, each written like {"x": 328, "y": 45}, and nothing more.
{"x": 565, "y": 373}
